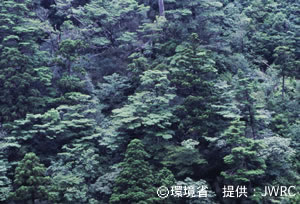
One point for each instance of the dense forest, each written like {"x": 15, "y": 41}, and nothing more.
{"x": 107, "y": 101}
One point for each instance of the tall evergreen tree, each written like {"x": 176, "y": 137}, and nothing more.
{"x": 244, "y": 88}
{"x": 135, "y": 184}
{"x": 193, "y": 74}
{"x": 30, "y": 181}
{"x": 245, "y": 163}
{"x": 24, "y": 75}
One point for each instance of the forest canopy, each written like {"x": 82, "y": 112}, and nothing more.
{"x": 117, "y": 101}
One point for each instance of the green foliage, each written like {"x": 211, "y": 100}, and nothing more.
{"x": 77, "y": 166}
{"x": 8, "y": 145}
{"x": 248, "y": 105}
{"x": 30, "y": 180}
{"x": 111, "y": 27}
{"x": 5, "y": 183}
{"x": 135, "y": 183}
{"x": 185, "y": 17}
{"x": 242, "y": 97}
{"x": 278, "y": 156}
{"x": 112, "y": 92}
{"x": 71, "y": 83}
{"x": 68, "y": 53}
{"x": 210, "y": 87}
{"x": 165, "y": 178}
{"x": 24, "y": 75}
{"x": 103, "y": 187}
{"x": 193, "y": 73}
{"x": 156, "y": 115}
{"x": 58, "y": 126}
{"x": 274, "y": 35}
{"x": 184, "y": 159}
{"x": 148, "y": 113}
{"x": 68, "y": 188}
{"x": 244, "y": 161}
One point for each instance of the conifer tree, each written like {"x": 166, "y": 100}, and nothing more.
{"x": 246, "y": 103}
{"x": 165, "y": 177}
{"x": 193, "y": 75}
{"x": 244, "y": 162}
{"x": 135, "y": 184}
{"x": 30, "y": 180}
{"x": 24, "y": 75}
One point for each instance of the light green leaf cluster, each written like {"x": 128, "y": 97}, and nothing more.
{"x": 5, "y": 183}
{"x": 148, "y": 112}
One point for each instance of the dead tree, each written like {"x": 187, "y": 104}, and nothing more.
{"x": 161, "y": 7}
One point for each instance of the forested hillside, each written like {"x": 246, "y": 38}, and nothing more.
{"x": 105, "y": 101}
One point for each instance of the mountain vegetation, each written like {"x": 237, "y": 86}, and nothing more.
{"x": 105, "y": 101}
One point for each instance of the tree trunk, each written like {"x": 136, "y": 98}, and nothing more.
{"x": 33, "y": 195}
{"x": 283, "y": 87}
{"x": 161, "y": 7}
{"x": 33, "y": 199}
